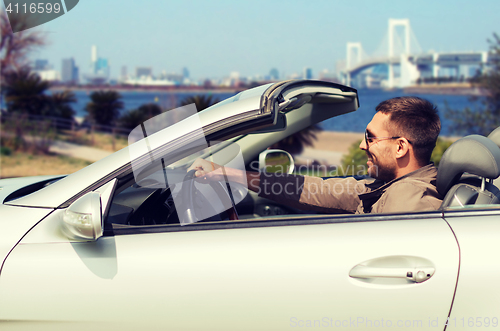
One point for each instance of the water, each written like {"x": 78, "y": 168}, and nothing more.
{"x": 352, "y": 122}
{"x": 134, "y": 99}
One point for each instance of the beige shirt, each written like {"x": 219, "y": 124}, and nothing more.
{"x": 415, "y": 191}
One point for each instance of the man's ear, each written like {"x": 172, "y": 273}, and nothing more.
{"x": 402, "y": 147}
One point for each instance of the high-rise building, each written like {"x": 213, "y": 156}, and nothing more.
{"x": 99, "y": 68}
{"x": 307, "y": 73}
{"x": 69, "y": 71}
{"x": 76, "y": 74}
{"x": 274, "y": 74}
{"x": 101, "y": 64}
{"x": 93, "y": 53}
{"x": 41, "y": 64}
{"x": 185, "y": 72}
{"x": 143, "y": 72}
{"x": 123, "y": 75}
{"x": 44, "y": 70}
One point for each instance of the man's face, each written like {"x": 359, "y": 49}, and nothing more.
{"x": 380, "y": 150}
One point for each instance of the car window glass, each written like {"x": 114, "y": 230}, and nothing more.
{"x": 156, "y": 193}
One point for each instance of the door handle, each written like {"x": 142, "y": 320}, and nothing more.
{"x": 417, "y": 275}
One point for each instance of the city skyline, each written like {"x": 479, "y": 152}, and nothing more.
{"x": 213, "y": 39}
{"x": 142, "y": 75}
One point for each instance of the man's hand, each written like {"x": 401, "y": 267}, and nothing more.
{"x": 207, "y": 170}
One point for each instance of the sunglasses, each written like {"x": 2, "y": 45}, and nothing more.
{"x": 370, "y": 139}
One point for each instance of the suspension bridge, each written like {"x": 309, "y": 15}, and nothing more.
{"x": 400, "y": 62}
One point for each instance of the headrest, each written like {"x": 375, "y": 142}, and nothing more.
{"x": 474, "y": 154}
{"x": 495, "y": 136}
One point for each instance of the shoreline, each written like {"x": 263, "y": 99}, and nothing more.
{"x": 151, "y": 89}
{"x": 439, "y": 89}
{"x": 445, "y": 89}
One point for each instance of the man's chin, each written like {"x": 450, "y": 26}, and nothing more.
{"x": 373, "y": 171}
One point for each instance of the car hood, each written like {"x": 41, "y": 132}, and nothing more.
{"x": 11, "y": 188}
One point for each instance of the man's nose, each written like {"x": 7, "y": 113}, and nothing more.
{"x": 362, "y": 145}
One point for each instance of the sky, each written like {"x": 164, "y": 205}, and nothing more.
{"x": 213, "y": 38}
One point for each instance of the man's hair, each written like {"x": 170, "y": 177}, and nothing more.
{"x": 415, "y": 119}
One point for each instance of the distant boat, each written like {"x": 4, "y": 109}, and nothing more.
{"x": 96, "y": 79}
{"x": 148, "y": 81}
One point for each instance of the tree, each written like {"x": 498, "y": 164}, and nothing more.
{"x": 104, "y": 107}
{"x": 60, "y": 107}
{"x": 25, "y": 92}
{"x": 437, "y": 153}
{"x": 202, "y": 101}
{"x": 60, "y": 104}
{"x": 14, "y": 47}
{"x": 133, "y": 118}
{"x": 28, "y": 105}
{"x": 485, "y": 117}
{"x": 354, "y": 162}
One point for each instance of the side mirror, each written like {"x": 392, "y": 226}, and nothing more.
{"x": 276, "y": 161}
{"x": 82, "y": 220}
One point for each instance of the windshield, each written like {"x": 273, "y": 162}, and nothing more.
{"x": 168, "y": 171}
{"x": 203, "y": 200}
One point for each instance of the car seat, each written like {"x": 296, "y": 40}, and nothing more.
{"x": 495, "y": 136}
{"x": 464, "y": 170}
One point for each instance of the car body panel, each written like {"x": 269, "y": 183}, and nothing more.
{"x": 477, "y": 299}
{"x": 11, "y": 185}
{"x": 15, "y": 222}
{"x": 271, "y": 277}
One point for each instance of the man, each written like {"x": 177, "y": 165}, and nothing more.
{"x": 398, "y": 143}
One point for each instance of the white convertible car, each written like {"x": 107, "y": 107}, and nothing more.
{"x": 132, "y": 242}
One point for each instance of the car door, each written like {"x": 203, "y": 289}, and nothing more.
{"x": 477, "y": 299}
{"x": 353, "y": 272}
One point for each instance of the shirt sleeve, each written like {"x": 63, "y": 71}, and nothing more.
{"x": 332, "y": 195}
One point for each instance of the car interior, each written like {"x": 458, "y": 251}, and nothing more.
{"x": 462, "y": 183}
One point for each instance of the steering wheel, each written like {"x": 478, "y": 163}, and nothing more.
{"x": 188, "y": 192}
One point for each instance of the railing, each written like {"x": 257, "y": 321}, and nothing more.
{"x": 59, "y": 123}
{"x": 38, "y": 131}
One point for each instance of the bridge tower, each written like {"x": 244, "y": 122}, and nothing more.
{"x": 393, "y": 23}
{"x": 357, "y": 50}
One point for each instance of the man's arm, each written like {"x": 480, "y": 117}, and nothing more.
{"x": 303, "y": 192}
{"x": 207, "y": 171}
{"x": 332, "y": 195}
